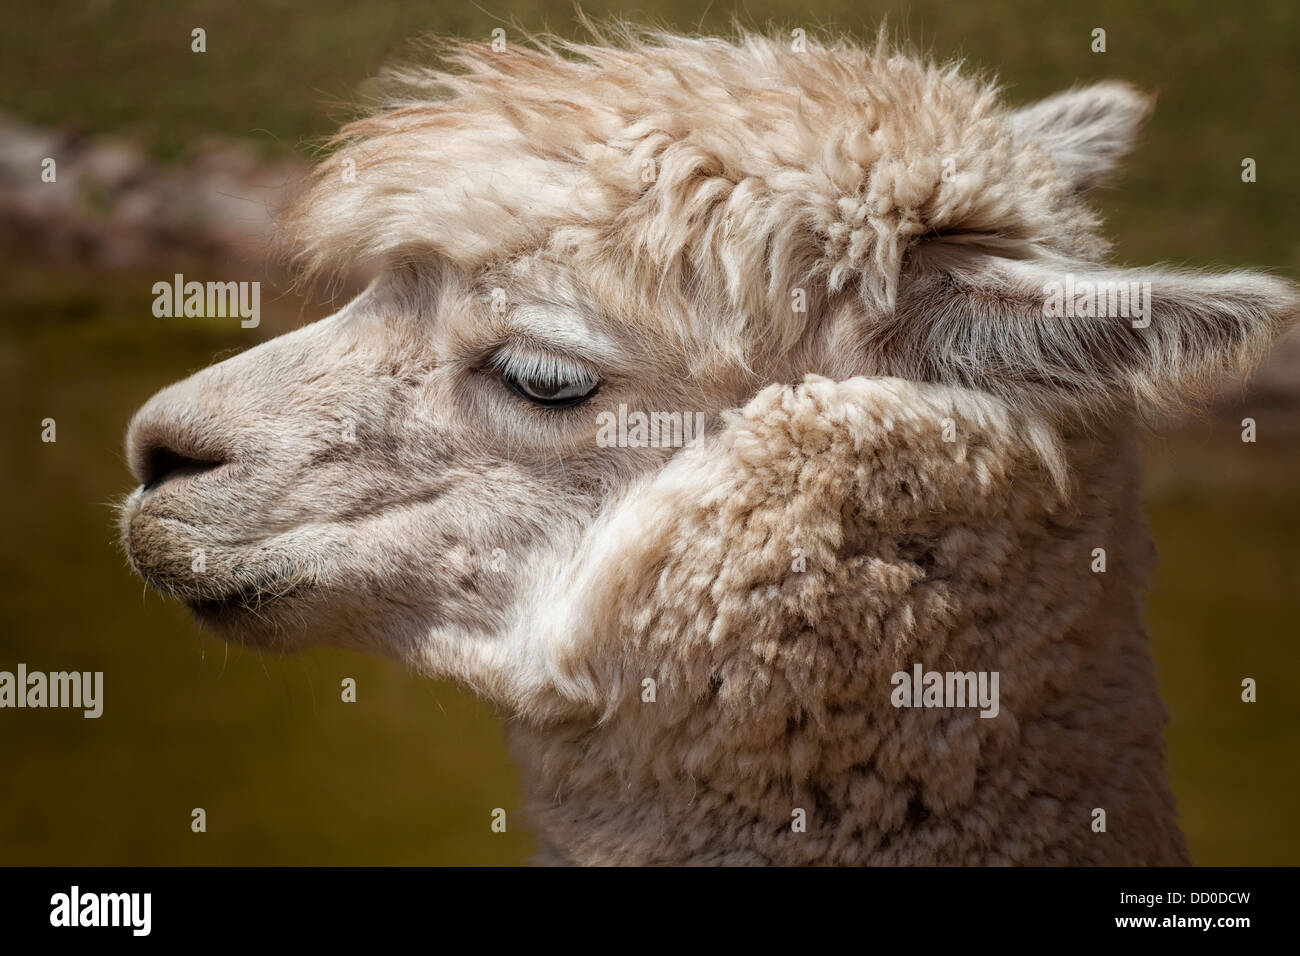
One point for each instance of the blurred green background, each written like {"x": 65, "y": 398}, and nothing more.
{"x": 411, "y": 772}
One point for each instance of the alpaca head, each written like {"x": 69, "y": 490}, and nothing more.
{"x": 663, "y": 224}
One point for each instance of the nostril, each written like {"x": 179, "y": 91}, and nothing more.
{"x": 160, "y": 464}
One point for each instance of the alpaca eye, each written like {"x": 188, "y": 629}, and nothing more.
{"x": 550, "y": 394}
{"x": 547, "y": 383}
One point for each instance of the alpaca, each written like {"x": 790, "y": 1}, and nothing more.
{"x": 884, "y": 292}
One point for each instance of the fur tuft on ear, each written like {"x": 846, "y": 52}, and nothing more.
{"x": 1067, "y": 335}
{"x": 1086, "y": 131}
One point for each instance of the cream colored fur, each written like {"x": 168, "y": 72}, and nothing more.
{"x": 929, "y": 490}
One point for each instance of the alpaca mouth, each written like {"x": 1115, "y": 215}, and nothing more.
{"x": 244, "y": 582}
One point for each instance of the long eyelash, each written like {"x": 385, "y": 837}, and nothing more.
{"x": 537, "y": 367}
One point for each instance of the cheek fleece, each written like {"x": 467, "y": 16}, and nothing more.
{"x": 788, "y": 654}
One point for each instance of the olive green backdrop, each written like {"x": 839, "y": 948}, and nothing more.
{"x": 411, "y": 772}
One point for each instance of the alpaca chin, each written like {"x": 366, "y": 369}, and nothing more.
{"x": 228, "y": 600}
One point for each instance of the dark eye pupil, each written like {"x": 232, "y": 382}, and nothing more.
{"x": 549, "y": 392}
{"x": 549, "y": 389}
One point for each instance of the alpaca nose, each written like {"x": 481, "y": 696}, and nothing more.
{"x": 229, "y": 414}
{"x": 166, "y": 443}
{"x": 160, "y": 464}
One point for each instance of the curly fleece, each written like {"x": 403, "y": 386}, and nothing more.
{"x": 772, "y": 683}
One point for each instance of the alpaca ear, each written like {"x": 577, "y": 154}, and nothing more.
{"x": 1086, "y": 131}
{"x": 1065, "y": 331}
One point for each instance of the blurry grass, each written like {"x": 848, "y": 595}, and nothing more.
{"x": 411, "y": 773}
{"x": 1224, "y": 607}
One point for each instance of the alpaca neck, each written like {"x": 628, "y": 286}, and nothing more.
{"x": 795, "y": 752}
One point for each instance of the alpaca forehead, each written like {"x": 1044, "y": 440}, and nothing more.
{"x": 746, "y": 156}
{"x": 546, "y": 127}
